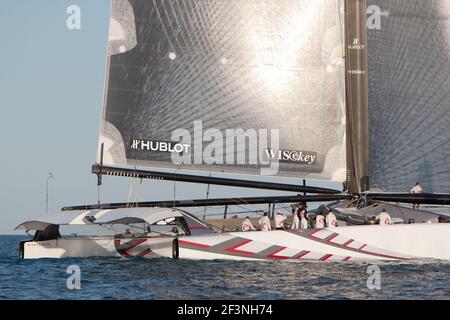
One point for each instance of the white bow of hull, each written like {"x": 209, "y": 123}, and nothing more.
{"x": 105, "y": 246}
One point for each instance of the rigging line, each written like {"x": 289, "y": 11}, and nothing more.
{"x": 286, "y": 207}
{"x": 98, "y": 193}
{"x": 215, "y": 215}
{"x": 279, "y": 207}
{"x": 130, "y": 192}
{"x": 138, "y": 193}
{"x": 175, "y": 187}
{"x": 196, "y": 212}
{"x": 240, "y": 203}
{"x": 235, "y": 212}
{"x": 207, "y": 197}
{"x": 109, "y": 229}
{"x": 236, "y": 205}
{"x": 136, "y": 228}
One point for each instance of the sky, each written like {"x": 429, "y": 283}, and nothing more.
{"x": 51, "y": 91}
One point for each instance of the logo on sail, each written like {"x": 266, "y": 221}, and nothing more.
{"x": 357, "y": 45}
{"x": 232, "y": 147}
{"x": 292, "y": 156}
{"x": 159, "y": 146}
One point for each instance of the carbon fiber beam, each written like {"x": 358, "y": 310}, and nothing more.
{"x": 425, "y": 198}
{"x": 168, "y": 176}
{"x": 215, "y": 202}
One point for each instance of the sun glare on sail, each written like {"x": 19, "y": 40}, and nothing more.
{"x": 172, "y": 55}
{"x": 278, "y": 53}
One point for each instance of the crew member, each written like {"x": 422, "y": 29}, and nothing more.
{"x": 310, "y": 219}
{"x": 331, "y": 220}
{"x": 264, "y": 222}
{"x": 417, "y": 189}
{"x": 279, "y": 221}
{"x": 320, "y": 221}
{"x": 295, "y": 219}
{"x": 384, "y": 218}
{"x": 247, "y": 225}
{"x": 303, "y": 221}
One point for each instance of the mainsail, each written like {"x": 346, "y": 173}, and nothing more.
{"x": 409, "y": 95}
{"x": 240, "y": 78}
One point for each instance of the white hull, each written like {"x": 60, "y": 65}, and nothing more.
{"x": 396, "y": 242}
{"x": 106, "y": 246}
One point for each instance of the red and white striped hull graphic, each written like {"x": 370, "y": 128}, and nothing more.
{"x": 318, "y": 244}
{"x": 133, "y": 247}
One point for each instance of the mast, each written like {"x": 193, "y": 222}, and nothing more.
{"x": 356, "y": 65}
{"x": 99, "y": 174}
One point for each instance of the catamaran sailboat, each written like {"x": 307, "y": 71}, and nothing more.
{"x": 187, "y": 237}
{"x": 292, "y": 78}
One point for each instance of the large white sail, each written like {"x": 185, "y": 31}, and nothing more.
{"x": 409, "y": 96}
{"x": 273, "y": 70}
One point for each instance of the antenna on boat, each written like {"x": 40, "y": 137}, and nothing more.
{"x": 50, "y": 176}
{"x": 100, "y": 172}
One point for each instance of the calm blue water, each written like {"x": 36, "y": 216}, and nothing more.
{"x": 115, "y": 278}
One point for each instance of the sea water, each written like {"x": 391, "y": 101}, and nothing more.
{"x": 123, "y": 278}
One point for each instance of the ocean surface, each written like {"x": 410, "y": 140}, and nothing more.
{"x": 121, "y": 278}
